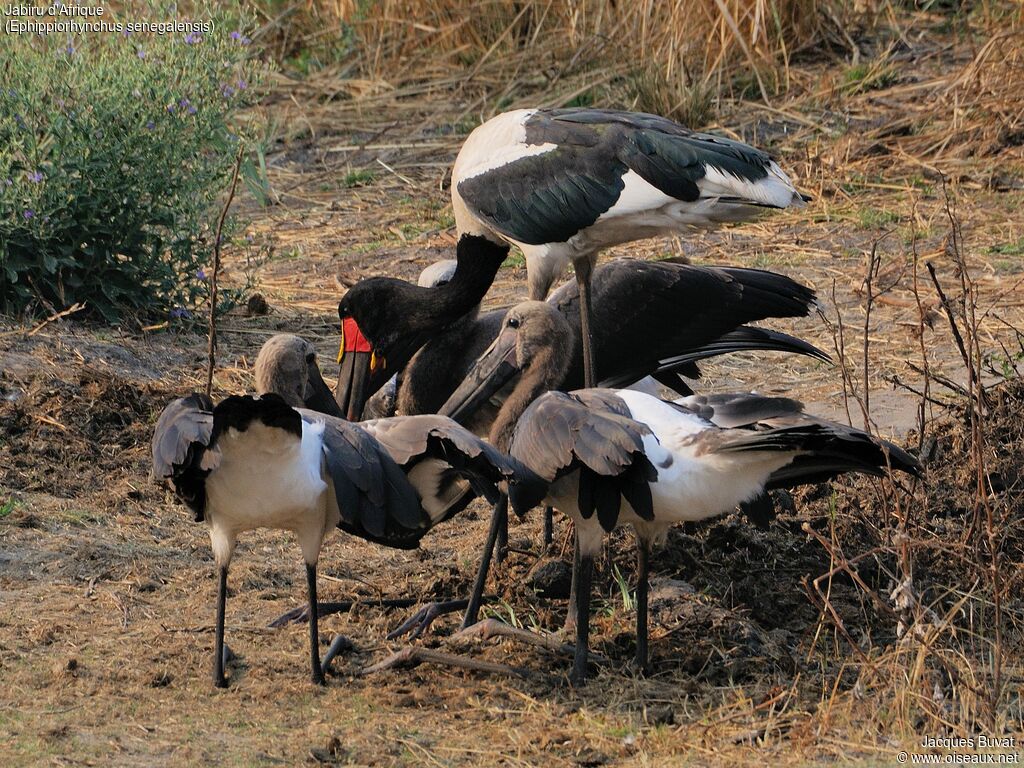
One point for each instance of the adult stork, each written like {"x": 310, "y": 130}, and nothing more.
{"x": 563, "y": 184}
{"x": 257, "y": 462}
{"x": 377, "y": 341}
{"x": 619, "y": 457}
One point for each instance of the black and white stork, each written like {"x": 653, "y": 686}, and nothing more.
{"x": 563, "y": 184}
{"x": 619, "y": 457}
{"x": 257, "y": 462}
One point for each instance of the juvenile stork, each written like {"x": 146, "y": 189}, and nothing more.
{"x": 667, "y": 461}
{"x": 256, "y": 462}
{"x": 563, "y": 184}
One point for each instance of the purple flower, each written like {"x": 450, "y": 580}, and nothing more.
{"x": 200, "y": 274}
{"x": 170, "y": 108}
{"x": 240, "y": 38}
{"x": 29, "y": 213}
{"x": 193, "y": 37}
{"x": 191, "y": 109}
{"x": 140, "y": 53}
{"x": 126, "y": 32}
{"x": 70, "y": 50}
{"x": 227, "y": 91}
{"x": 35, "y": 177}
{"x": 241, "y": 85}
{"x": 180, "y": 312}
{"x": 150, "y": 125}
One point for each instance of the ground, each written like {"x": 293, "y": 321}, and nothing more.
{"x": 108, "y": 586}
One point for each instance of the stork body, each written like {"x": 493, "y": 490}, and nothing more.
{"x": 563, "y": 184}
{"x": 620, "y": 457}
{"x": 251, "y": 463}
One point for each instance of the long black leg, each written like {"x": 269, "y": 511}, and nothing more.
{"x": 643, "y": 567}
{"x": 583, "y": 268}
{"x": 219, "y": 680}
{"x": 502, "y": 541}
{"x": 498, "y": 518}
{"x": 579, "y": 664}
{"x": 314, "y": 627}
{"x": 571, "y": 614}
{"x": 549, "y": 526}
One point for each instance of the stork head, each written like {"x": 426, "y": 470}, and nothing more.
{"x": 287, "y": 366}
{"x": 384, "y": 321}
{"x": 535, "y": 343}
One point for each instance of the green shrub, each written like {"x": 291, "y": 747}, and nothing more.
{"x": 114, "y": 148}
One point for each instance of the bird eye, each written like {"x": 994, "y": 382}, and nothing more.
{"x": 513, "y": 322}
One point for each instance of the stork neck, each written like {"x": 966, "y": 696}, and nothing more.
{"x": 479, "y": 259}
{"x": 545, "y": 372}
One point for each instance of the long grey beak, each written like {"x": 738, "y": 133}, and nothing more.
{"x": 493, "y": 369}
{"x": 318, "y": 394}
{"x": 353, "y": 380}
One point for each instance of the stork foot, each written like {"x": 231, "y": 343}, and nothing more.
{"x": 412, "y": 656}
{"x": 300, "y": 614}
{"x": 488, "y": 628}
{"x": 339, "y": 645}
{"x": 420, "y": 621}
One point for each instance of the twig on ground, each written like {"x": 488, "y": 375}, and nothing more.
{"x": 489, "y": 628}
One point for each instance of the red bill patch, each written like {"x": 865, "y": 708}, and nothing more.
{"x": 352, "y": 339}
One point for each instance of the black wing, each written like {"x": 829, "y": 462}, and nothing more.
{"x": 828, "y": 449}
{"x": 646, "y": 312}
{"x": 375, "y": 500}
{"x": 744, "y": 339}
{"x": 587, "y": 431}
{"x": 457, "y": 455}
{"x": 182, "y": 434}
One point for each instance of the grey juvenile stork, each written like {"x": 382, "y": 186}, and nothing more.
{"x": 257, "y": 462}
{"x": 625, "y": 458}
{"x": 532, "y": 343}
{"x": 563, "y": 184}
{"x": 646, "y": 316}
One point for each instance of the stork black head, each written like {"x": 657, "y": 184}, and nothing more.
{"x": 385, "y": 320}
